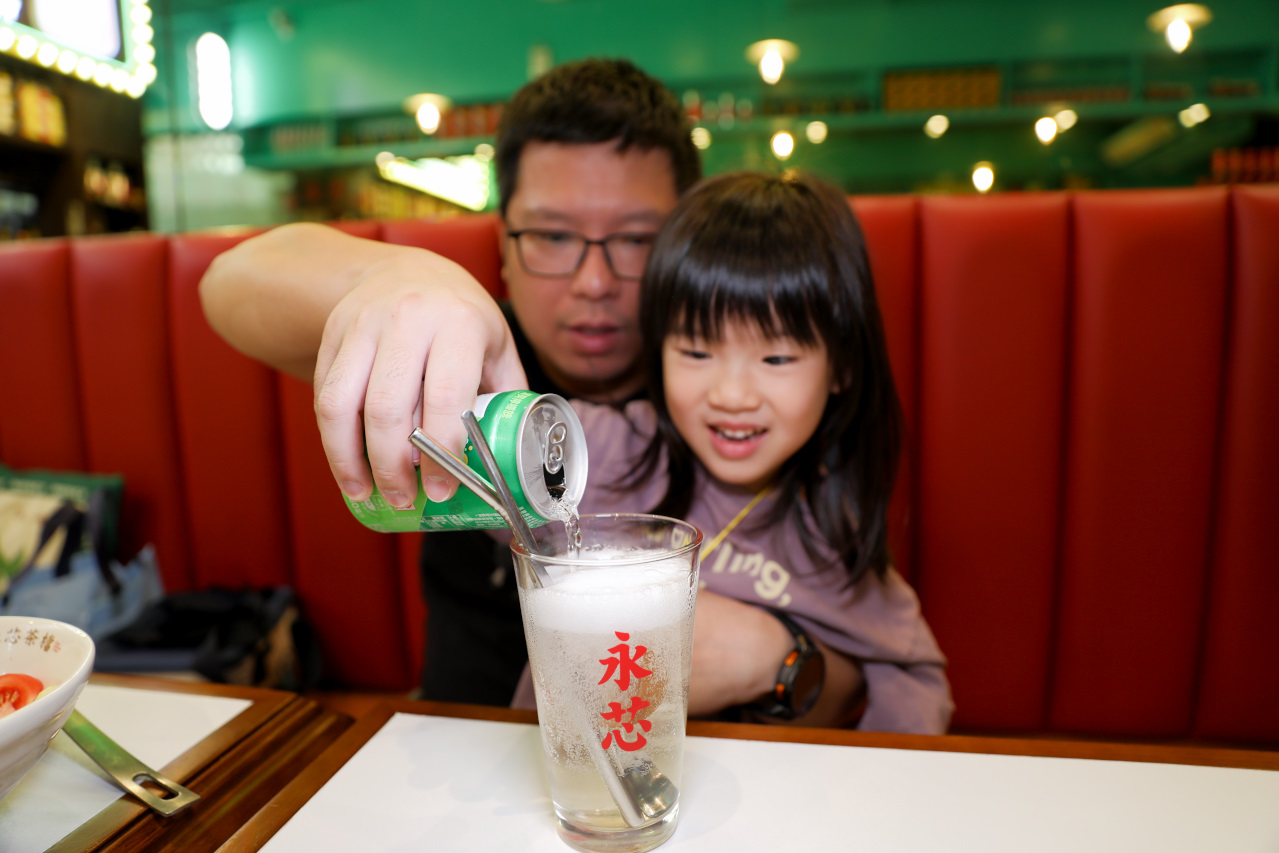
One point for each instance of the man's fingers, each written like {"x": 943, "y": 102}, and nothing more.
{"x": 390, "y": 404}
{"x": 449, "y": 387}
{"x": 502, "y": 368}
{"x": 340, "y": 381}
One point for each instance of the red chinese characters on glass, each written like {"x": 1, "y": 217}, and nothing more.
{"x": 628, "y": 734}
{"x": 625, "y": 662}
{"x": 616, "y": 715}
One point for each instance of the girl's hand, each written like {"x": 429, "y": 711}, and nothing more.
{"x": 737, "y": 651}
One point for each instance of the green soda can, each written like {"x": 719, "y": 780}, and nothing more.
{"x": 538, "y": 442}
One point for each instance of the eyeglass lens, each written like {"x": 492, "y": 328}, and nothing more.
{"x": 555, "y": 253}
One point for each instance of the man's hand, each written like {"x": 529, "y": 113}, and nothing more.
{"x": 398, "y": 351}
{"x": 393, "y": 337}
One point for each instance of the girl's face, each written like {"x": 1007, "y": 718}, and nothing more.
{"x": 745, "y": 404}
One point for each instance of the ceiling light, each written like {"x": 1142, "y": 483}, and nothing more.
{"x": 783, "y": 144}
{"x": 771, "y": 55}
{"x": 213, "y": 80}
{"x": 983, "y": 176}
{"x": 1193, "y": 115}
{"x": 428, "y": 109}
{"x": 1065, "y": 119}
{"x": 1179, "y": 22}
{"x": 936, "y": 126}
{"x": 1046, "y": 129}
{"x": 701, "y": 138}
{"x": 816, "y": 132}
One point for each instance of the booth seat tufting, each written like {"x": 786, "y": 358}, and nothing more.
{"x": 1091, "y": 383}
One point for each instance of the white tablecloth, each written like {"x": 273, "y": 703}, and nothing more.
{"x": 442, "y": 784}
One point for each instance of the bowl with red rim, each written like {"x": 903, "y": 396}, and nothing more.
{"x": 53, "y": 655}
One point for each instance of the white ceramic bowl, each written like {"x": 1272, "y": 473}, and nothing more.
{"x": 61, "y": 656}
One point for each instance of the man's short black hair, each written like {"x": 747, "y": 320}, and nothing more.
{"x": 591, "y": 101}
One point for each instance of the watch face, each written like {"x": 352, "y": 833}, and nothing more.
{"x": 808, "y": 683}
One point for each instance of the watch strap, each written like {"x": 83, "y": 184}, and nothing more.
{"x": 800, "y": 677}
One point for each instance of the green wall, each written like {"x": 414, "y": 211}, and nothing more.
{"x": 367, "y": 56}
{"x": 352, "y": 59}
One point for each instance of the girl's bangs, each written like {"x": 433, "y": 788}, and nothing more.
{"x": 778, "y": 298}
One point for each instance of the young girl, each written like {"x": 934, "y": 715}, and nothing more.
{"x": 774, "y": 427}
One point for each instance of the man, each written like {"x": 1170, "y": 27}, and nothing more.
{"x": 590, "y": 159}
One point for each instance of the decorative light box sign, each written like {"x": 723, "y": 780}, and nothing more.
{"x": 106, "y": 42}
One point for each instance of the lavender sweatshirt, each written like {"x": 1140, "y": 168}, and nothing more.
{"x": 877, "y": 621}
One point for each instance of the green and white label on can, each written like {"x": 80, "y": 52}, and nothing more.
{"x": 538, "y": 442}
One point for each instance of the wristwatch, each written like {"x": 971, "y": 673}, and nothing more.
{"x": 800, "y": 679}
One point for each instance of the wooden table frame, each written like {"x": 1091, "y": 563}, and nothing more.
{"x": 236, "y": 771}
{"x": 267, "y": 822}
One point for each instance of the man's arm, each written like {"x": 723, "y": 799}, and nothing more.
{"x": 390, "y": 336}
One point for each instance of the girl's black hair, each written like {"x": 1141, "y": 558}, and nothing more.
{"x": 785, "y": 254}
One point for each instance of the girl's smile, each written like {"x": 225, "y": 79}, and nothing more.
{"x": 736, "y": 442}
{"x": 745, "y": 403}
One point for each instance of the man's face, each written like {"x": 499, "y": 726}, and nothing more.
{"x": 585, "y": 326}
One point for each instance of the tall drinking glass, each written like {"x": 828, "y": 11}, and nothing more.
{"x": 610, "y": 642}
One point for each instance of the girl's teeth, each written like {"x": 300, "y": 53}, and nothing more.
{"x": 737, "y": 434}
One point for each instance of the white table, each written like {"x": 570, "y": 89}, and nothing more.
{"x": 419, "y": 777}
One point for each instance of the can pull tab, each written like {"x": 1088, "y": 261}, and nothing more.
{"x": 551, "y": 435}
{"x": 553, "y": 448}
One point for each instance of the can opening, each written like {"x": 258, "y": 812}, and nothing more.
{"x": 555, "y": 482}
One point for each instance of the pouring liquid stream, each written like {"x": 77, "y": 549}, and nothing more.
{"x": 552, "y": 436}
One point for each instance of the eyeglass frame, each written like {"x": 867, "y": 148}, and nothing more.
{"x": 586, "y": 247}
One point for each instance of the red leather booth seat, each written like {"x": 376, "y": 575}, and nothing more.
{"x": 1091, "y": 383}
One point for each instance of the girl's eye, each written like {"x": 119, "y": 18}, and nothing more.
{"x": 778, "y": 360}
{"x": 693, "y": 353}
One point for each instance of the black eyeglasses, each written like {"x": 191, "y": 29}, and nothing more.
{"x": 550, "y": 252}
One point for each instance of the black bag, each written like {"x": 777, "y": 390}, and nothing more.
{"x": 256, "y": 638}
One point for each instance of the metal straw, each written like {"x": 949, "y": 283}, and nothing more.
{"x": 485, "y": 491}
{"x": 518, "y": 525}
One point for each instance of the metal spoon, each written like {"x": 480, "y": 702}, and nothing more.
{"x": 128, "y": 772}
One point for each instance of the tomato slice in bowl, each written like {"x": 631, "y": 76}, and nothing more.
{"x": 17, "y": 690}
